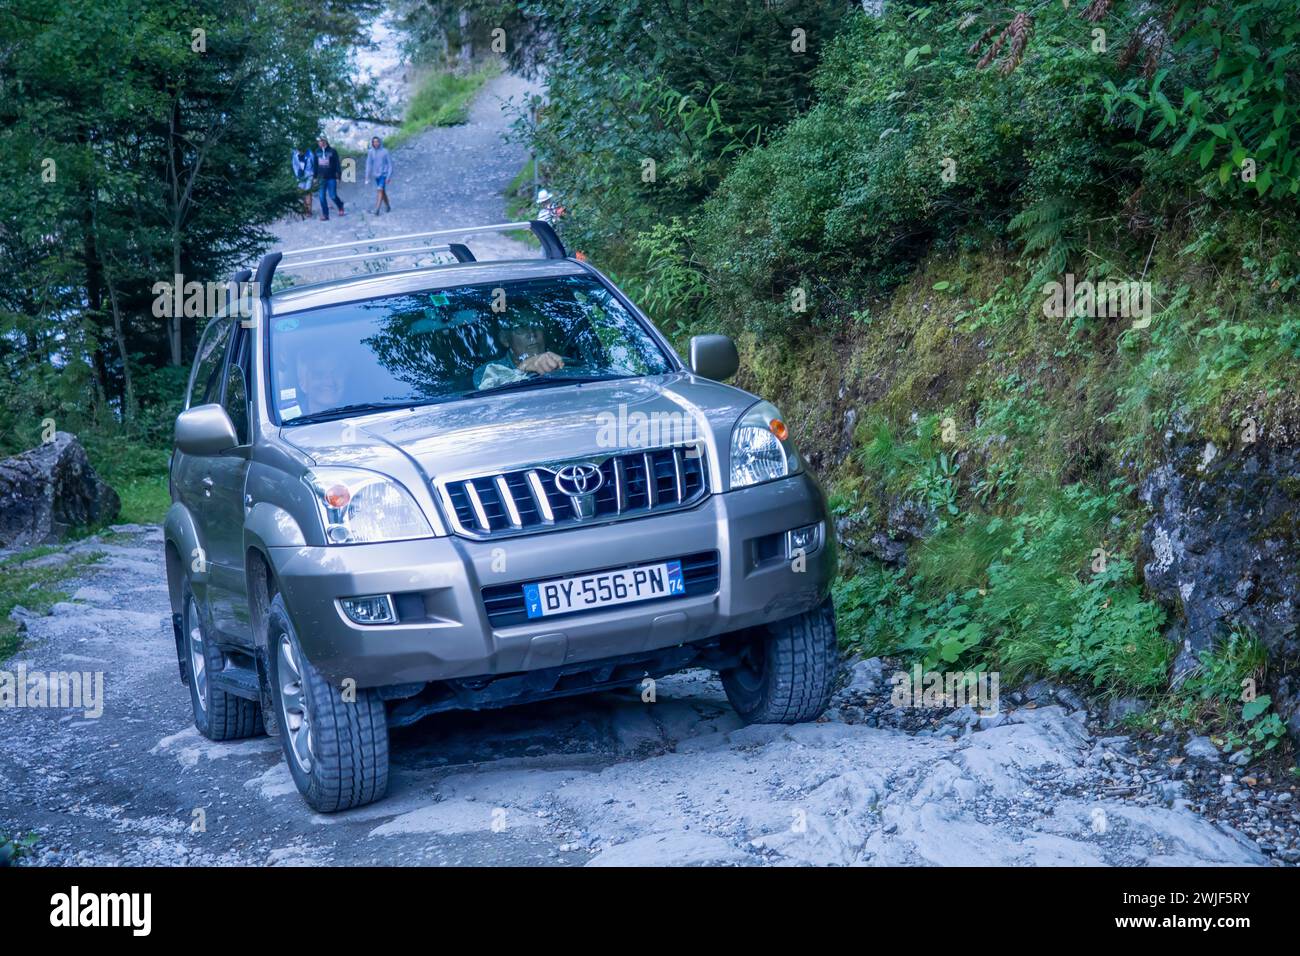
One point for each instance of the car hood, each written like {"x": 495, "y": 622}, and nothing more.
{"x": 495, "y": 433}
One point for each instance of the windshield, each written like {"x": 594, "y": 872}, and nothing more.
{"x": 426, "y": 347}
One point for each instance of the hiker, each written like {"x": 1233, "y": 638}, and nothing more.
{"x": 328, "y": 167}
{"x": 380, "y": 165}
{"x": 546, "y": 211}
{"x": 304, "y": 170}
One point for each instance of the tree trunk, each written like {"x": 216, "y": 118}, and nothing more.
{"x": 128, "y": 390}
{"x": 174, "y": 323}
{"x": 94, "y": 271}
{"x": 177, "y": 164}
{"x": 466, "y": 41}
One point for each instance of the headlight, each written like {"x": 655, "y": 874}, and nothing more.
{"x": 760, "y": 449}
{"x": 360, "y": 506}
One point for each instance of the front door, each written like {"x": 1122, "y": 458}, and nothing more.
{"x": 226, "y": 507}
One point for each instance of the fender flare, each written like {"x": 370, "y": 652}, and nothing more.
{"x": 181, "y": 535}
{"x": 181, "y": 532}
{"x": 265, "y": 527}
{"x": 270, "y": 526}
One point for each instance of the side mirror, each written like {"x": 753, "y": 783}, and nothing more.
{"x": 714, "y": 356}
{"x": 205, "y": 430}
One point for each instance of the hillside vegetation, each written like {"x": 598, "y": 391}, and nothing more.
{"x": 882, "y": 242}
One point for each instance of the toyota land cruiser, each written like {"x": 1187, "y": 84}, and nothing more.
{"x": 469, "y": 485}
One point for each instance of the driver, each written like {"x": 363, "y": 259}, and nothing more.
{"x": 525, "y": 342}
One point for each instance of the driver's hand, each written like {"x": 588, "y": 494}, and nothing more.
{"x": 541, "y": 364}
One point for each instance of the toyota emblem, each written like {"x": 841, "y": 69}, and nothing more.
{"x": 578, "y": 479}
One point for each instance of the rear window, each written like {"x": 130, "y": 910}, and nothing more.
{"x": 442, "y": 345}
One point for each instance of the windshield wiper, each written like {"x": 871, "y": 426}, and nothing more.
{"x": 343, "y": 411}
{"x": 541, "y": 381}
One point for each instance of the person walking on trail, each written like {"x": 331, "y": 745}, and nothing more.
{"x": 328, "y": 167}
{"x": 379, "y": 164}
{"x": 304, "y": 170}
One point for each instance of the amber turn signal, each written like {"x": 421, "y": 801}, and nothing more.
{"x": 779, "y": 429}
{"x": 338, "y": 496}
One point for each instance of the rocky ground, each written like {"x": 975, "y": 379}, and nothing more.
{"x": 607, "y": 779}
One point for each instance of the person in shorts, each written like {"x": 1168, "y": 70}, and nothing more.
{"x": 379, "y": 165}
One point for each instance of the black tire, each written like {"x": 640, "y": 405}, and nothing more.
{"x": 218, "y": 715}
{"x": 346, "y": 759}
{"x": 789, "y": 670}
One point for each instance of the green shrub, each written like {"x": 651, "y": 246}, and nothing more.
{"x": 685, "y": 86}
{"x": 910, "y": 145}
{"x": 1221, "y": 693}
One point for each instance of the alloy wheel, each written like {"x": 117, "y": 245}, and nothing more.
{"x": 293, "y": 705}
{"x": 198, "y": 660}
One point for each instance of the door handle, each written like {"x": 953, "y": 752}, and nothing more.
{"x": 207, "y": 487}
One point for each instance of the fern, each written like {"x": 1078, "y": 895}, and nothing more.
{"x": 1045, "y": 228}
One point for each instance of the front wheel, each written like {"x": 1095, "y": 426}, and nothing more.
{"x": 787, "y": 672}
{"x": 336, "y": 747}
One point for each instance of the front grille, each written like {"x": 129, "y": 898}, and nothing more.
{"x": 504, "y": 603}
{"x": 634, "y": 484}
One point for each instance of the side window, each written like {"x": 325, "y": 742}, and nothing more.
{"x": 236, "y": 397}
{"x": 206, "y": 385}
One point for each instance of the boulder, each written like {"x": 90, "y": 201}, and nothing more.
{"x": 46, "y": 492}
{"x": 1222, "y": 548}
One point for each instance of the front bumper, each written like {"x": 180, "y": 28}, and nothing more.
{"x": 445, "y": 631}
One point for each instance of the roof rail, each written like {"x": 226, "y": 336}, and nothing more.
{"x": 414, "y": 243}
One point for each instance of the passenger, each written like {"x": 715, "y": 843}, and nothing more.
{"x": 321, "y": 381}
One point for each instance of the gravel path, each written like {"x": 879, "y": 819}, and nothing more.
{"x": 601, "y": 780}
{"x": 444, "y": 178}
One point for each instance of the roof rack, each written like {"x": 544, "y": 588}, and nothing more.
{"x": 414, "y": 243}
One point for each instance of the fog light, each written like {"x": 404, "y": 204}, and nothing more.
{"x": 803, "y": 540}
{"x": 371, "y": 609}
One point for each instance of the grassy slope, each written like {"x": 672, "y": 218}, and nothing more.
{"x": 442, "y": 98}
{"x": 136, "y": 471}
{"x": 1053, "y": 424}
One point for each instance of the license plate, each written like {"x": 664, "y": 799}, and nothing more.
{"x": 604, "y": 589}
